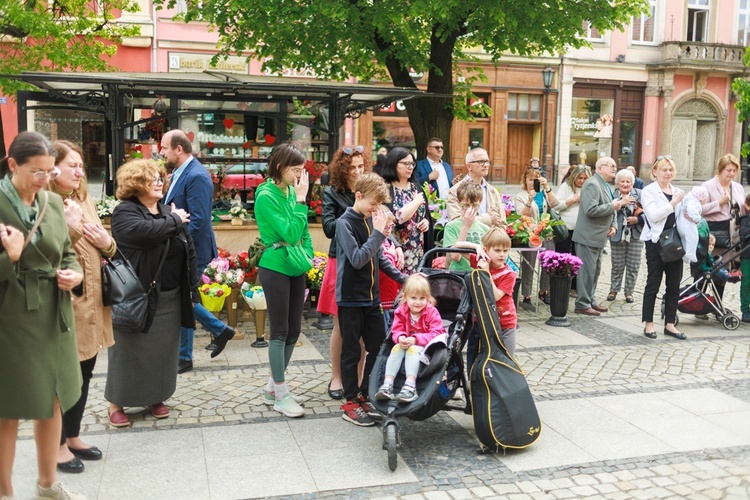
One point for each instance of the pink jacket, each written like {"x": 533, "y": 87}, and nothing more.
{"x": 429, "y": 326}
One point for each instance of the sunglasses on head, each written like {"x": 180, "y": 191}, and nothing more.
{"x": 348, "y": 150}
{"x": 664, "y": 157}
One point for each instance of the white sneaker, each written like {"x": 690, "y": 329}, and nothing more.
{"x": 287, "y": 406}
{"x": 57, "y": 492}
{"x": 269, "y": 398}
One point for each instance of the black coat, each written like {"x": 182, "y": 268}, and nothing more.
{"x": 334, "y": 206}
{"x": 142, "y": 237}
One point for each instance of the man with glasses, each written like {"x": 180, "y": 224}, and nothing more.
{"x": 434, "y": 170}
{"x": 491, "y": 209}
{"x": 191, "y": 189}
{"x": 595, "y": 224}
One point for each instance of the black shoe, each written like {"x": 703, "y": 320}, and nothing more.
{"x": 185, "y": 365}
{"x": 677, "y": 335}
{"x": 221, "y": 340}
{"x": 651, "y": 335}
{"x": 74, "y": 466}
{"x": 335, "y": 393}
{"x": 92, "y": 453}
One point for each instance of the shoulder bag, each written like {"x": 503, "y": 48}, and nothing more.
{"x": 669, "y": 245}
{"x": 123, "y": 291}
{"x": 560, "y": 231}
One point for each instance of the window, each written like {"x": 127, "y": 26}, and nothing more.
{"x": 697, "y": 23}
{"x": 743, "y": 27}
{"x": 524, "y": 106}
{"x": 591, "y": 33}
{"x": 643, "y": 26}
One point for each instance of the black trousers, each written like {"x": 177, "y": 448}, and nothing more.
{"x": 656, "y": 269}
{"x": 567, "y": 246}
{"x": 71, "y": 420}
{"x": 356, "y": 323}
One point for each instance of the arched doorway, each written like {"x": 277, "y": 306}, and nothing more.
{"x": 694, "y": 138}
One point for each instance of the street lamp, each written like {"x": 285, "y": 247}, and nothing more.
{"x": 547, "y": 76}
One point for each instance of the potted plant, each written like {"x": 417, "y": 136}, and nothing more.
{"x": 238, "y": 213}
{"x": 561, "y": 268}
{"x": 104, "y": 208}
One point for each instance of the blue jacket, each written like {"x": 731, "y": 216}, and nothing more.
{"x": 424, "y": 169}
{"x": 194, "y": 193}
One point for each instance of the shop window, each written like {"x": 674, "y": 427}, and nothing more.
{"x": 524, "y": 106}
{"x": 390, "y": 134}
{"x": 743, "y": 27}
{"x": 628, "y": 135}
{"x": 697, "y": 22}
{"x": 590, "y": 130}
{"x": 643, "y": 25}
{"x": 591, "y": 33}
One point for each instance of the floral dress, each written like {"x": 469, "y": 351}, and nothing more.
{"x": 406, "y": 232}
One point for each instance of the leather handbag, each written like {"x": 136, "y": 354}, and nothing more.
{"x": 123, "y": 291}
{"x": 720, "y": 230}
{"x": 560, "y": 231}
{"x": 670, "y": 245}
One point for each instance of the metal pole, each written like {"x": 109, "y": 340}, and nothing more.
{"x": 544, "y": 134}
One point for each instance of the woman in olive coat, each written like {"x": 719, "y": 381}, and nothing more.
{"x": 38, "y": 356}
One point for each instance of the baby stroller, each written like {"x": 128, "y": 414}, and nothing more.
{"x": 437, "y": 382}
{"x": 701, "y": 297}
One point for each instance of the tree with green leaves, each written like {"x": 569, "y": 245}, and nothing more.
{"x": 377, "y": 39}
{"x": 741, "y": 87}
{"x": 58, "y": 35}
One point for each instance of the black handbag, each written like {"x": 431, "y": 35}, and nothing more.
{"x": 670, "y": 245}
{"x": 560, "y": 231}
{"x": 720, "y": 230}
{"x": 123, "y": 291}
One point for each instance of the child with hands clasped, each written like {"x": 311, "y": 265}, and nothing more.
{"x": 415, "y": 323}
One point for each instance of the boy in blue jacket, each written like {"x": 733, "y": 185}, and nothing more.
{"x": 360, "y": 233}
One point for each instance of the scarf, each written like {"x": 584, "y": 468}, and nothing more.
{"x": 26, "y": 213}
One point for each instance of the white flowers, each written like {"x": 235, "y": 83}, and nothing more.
{"x": 237, "y": 211}
{"x": 106, "y": 206}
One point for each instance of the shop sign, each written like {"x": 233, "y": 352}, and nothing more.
{"x": 396, "y": 108}
{"x": 293, "y": 73}
{"x": 182, "y": 62}
{"x": 3, "y": 100}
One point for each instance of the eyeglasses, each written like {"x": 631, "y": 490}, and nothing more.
{"x": 483, "y": 163}
{"x": 436, "y": 147}
{"x": 41, "y": 175}
{"x": 348, "y": 150}
{"x": 407, "y": 164}
{"x": 158, "y": 181}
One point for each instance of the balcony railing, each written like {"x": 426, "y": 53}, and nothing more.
{"x": 718, "y": 56}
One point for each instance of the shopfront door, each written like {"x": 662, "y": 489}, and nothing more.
{"x": 693, "y": 145}
{"x": 520, "y": 150}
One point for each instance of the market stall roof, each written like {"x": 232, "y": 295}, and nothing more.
{"x": 216, "y": 83}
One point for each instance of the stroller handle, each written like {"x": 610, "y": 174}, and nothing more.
{"x": 437, "y": 250}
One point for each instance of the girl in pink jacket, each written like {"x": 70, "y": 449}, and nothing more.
{"x": 415, "y": 322}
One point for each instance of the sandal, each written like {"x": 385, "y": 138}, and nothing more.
{"x": 611, "y": 296}
{"x": 677, "y": 335}
{"x": 629, "y": 298}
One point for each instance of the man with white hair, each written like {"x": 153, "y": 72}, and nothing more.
{"x": 491, "y": 210}
{"x": 595, "y": 224}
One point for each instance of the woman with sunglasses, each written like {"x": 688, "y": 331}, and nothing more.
{"x": 408, "y": 205}
{"x": 347, "y": 165}
{"x": 724, "y": 206}
{"x": 659, "y": 200}
{"x": 38, "y": 272}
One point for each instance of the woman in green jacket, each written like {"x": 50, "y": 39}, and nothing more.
{"x": 281, "y": 213}
{"x": 39, "y": 366}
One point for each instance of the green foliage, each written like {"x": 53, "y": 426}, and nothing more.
{"x": 74, "y": 35}
{"x": 741, "y": 87}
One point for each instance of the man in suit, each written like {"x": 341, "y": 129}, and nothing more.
{"x": 191, "y": 189}
{"x": 434, "y": 170}
{"x": 595, "y": 224}
{"x": 491, "y": 210}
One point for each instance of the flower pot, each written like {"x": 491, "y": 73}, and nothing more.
{"x": 237, "y": 221}
{"x": 559, "y": 290}
{"x": 260, "y": 328}
{"x": 107, "y": 220}
{"x": 312, "y": 304}
{"x": 319, "y": 219}
{"x": 231, "y": 305}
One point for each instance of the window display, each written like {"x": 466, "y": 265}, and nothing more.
{"x": 591, "y": 127}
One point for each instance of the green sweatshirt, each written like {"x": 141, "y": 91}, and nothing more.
{"x": 282, "y": 223}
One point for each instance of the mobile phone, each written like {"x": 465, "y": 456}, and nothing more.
{"x": 537, "y": 186}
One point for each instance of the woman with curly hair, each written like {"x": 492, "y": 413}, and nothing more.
{"x": 348, "y": 164}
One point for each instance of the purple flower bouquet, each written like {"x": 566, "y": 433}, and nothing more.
{"x": 559, "y": 264}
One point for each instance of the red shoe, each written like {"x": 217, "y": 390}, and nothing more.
{"x": 118, "y": 418}
{"x": 159, "y": 410}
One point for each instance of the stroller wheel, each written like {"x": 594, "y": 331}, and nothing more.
{"x": 391, "y": 444}
{"x": 730, "y": 321}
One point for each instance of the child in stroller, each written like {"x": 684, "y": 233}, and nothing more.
{"x": 416, "y": 323}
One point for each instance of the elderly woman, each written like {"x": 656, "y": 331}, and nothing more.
{"x": 408, "y": 205}
{"x": 529, "y": 204}
{"x": 142, "y": 367}
{"x": 39, "y": 368}
{"x": 626, "y": 246}
{"x": 281, "y": 213}
{"x": 347, "y": 165}
{"x": 724, "y": 206}
{"x": 659, "y": 200}
{"x": 569, "y": 201}
{"x": 91, "y": 242}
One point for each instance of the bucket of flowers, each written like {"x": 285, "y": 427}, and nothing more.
{"x": 525, "y": 231}
{"x": 219, "y": 272}
{"x": 255, "y": 298}
{"x": 238, "y": 213}
{"x": 213, "y": 296}
{"x": 314, "y": 280}
{"x": 241, "y": 261}
{"x": 561, "y": 268}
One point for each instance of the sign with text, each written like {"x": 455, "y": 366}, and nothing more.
{"x": 183, "y": 62}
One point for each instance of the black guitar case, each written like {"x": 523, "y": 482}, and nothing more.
{"x": 503, "y": 408}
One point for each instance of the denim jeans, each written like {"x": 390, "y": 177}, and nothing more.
{"x": 208, "y": 321}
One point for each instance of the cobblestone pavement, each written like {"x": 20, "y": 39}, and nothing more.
{"x": 611, "y": 359}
